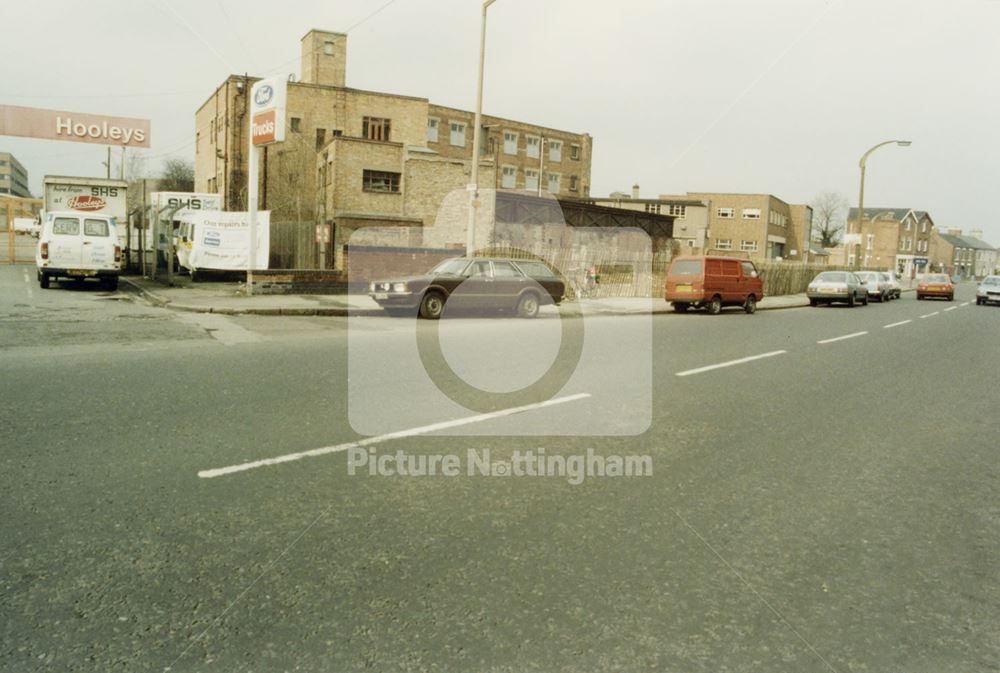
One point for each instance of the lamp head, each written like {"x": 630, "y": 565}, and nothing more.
{"x": 904, "y": 143}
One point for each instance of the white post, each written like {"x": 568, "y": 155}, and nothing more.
{"x": 252, "y": 210}
{"x": 470, "y": 232}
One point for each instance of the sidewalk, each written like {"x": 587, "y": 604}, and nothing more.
{"x": 228, "y": 299}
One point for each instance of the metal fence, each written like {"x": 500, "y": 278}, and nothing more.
{"x": 294, "y": 246}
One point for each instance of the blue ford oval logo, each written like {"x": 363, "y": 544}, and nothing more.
{"x": 263, "y": 95}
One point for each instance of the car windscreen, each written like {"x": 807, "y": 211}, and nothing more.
{"x": 936, "y": 278}
{"x": 534, "y": 269}
{"x": 991, "y": 280}
{"x": 66, "y": 226}
{"x": 452, "y": 266}
{"x": 95, "y": 227}
{"x": 831, "y": 277}
{"x": 686, "y": 267}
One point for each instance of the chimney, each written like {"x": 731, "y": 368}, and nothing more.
{"x": 954, "y": 232}
{"x": 635, "y": 191}
{"x": 976, "y": 233}
{"x": 324, "y": 58}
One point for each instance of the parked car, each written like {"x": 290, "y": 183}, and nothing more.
{"x": 875, "y": 283}
{"x": 837, "y": 286}
{"x": 892, "y": 282}
{"x": 78, "y": 246}
{"x": 480, "y": 282}
{"x": 936, "y": 285}
{"x": 27, "y": 225}
{"x": 712, "y": 283}
{"x": 988, "y": 291}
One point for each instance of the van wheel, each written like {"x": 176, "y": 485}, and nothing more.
{"x": 111, "y": 283}
{"x": 864, "y": 299}
{"x": 432, "y": 305}
{"x": 527, "y": 306}
{"x": 679, "y": 307}
{"x": 43, "y": 280}
{"x": 715, "y": 305}
{"x": 750, "y": 305}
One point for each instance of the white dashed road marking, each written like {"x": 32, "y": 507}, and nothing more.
{"x": 709, "y": 368}
{"x": 841, "y": 338}
{"x": 222, "y": 471}
{"x": 896, "y": 324}
{"x": 950, "y": 308}
{"x": 930, "y": 314}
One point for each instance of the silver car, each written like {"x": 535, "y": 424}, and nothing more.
{"x": 988, "y": 291}
{"x": 837, "y": 286}
{"x": 875, "y": 282}
{"x": 892, "y": 282}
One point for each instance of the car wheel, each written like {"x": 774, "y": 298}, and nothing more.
{"x": 527, "y": 305}
{"x": 951, "y": 297}
{"x": 920, "y": 297}
{"x": 679, "y": 307}
{"x": 850, "y": 301}
{"x": 432, "y": 305}
{"x": 864, "y": 299}
{"x": 813, "y": 302}
{"x": 715, "y": 305}
{"x": 750, "y": 305}
{"x": 43, "y": 280}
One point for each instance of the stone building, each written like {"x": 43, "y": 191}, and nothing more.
{"x": 890, "y": 238}
{"x": 355, "y": 158}
{"x": 760, "y": 226}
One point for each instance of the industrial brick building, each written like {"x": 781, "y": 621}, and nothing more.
{"x": 355, "y": 158}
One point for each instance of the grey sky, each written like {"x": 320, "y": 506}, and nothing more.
{"x": 779, "y": 96}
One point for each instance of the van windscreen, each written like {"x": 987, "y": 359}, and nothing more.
{"x": 686, "y": 267}
{"x": 66, "y": 226}
{"x": 95, "y": 227}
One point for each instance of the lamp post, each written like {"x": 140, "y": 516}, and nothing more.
{"x": 861, "y": 196}
{"x": 470, "y": 232}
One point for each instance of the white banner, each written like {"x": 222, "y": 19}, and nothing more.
{"x": 220, "y": 240}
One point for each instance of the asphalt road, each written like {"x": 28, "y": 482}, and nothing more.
{"x": 830, "y": 507}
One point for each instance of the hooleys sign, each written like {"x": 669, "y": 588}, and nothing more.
{"x": 30, "y": 122}
{"x": 267, "y": 110}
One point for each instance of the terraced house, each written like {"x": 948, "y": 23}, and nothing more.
{"x": 897, "y": 238}
{"x": 355, "y": 158}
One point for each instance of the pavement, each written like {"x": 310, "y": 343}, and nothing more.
{"x": 230, "y": 299}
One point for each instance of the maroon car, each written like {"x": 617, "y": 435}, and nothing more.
{"x": 522, "y": 285}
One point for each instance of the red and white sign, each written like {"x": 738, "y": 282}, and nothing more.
{"x": 86, "y": 203}
{"x": 268, "y": 98}
{"x": 30, "y": 122}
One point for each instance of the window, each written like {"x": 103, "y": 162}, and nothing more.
{"x": 95, "y": 227}
{"x": 678, "y": 211}
{"x": 505, "y": 270}
{"x": 751, "y": 213}
{"x": 652, "y": 208}
{"x": 509, "y": 142}
{"x": 320, "y": 138}
{"x": 375, "y": 128}
{"x": 572, "y": 183}
{"x": 554, "y": 183}
{"x": 555, "y": 150}
{"x": 535, "y": 269}
{"x": 530, "y": 179}
{"x": 509, "y": 180}
{"x": 328, "y": 48}
{"x": 723, "y": 244}
{"x": 749, "y": 270}
{"x": 432, "y": 130}
{"x": 748, "y": 246}
{"x": 479, "y": 269}
{"x": 296, "y": 124}
{"x": 923, "y": 227}
{"x": 534, "y": 144}
{"x": 726, "y": 213}
{"x": 381, "y": 181}
{"x": 871, "y": 242}
{"x": 66, "y": 226}
{"x": 574, "y": 152}
{"x": 211, "y": 132}
{"x": 458, "y": 134}
{"x": 197, "y": 142}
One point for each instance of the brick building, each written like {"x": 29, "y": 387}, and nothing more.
{"x": 355, "y": 158}
{"x": 897, "y": 238}
{"x": 691, "y": 215}
{"x": 13, "y": 176}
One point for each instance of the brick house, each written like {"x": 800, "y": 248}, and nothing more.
{"x": 891, "y": 238}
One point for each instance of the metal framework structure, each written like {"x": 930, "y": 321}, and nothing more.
{"x": 518, "y": 208}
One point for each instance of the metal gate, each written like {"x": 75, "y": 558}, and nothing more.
{"x": 17, "y": 247}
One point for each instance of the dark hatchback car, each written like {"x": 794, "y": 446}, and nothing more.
{"x": 479, "y": 282}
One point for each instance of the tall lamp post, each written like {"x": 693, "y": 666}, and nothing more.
{"x": 470, "y": 232}
{"x": 861, "y": 197}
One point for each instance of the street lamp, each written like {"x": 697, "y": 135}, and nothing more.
{"x": 470, "y": 232}
{"x": 861, "y": 196}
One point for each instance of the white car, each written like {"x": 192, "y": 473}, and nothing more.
{"x": 895, "y": 287}
{"x": 78, "y": 246}
{"x": 27, "y": 225}
{"x": 876, "y": 284}
{"x": 988, "y": 291}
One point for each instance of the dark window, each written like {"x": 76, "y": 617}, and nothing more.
{"x": 572, "y": 183}
{"x": 375, "y": 128}
{"x": 535, "y": 269}
{"x": 320, "y": 138}
{"x": 574, "y": 152}
{"x": 381, "y": 181}
{"x": 505, "y": 270}
{"x": 296, "y": 124}
{"x": 686, "y": 267}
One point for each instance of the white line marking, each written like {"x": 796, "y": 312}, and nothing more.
{"x": 896, "y": 324}
{"x": 966, "y": 303}
{"x": 841, "y": 338}
{"x": 950, "y": 308}
{"x": 445, "y": 425}
{"x": 930, "y": 314}
{"x": 709, "y": 368}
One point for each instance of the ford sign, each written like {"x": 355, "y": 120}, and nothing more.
{"x": 263, "y": 95}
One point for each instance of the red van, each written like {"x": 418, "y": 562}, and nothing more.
{"x": 713, "y": 282}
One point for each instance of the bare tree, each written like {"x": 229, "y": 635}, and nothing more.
{"x": 829, "y": 218}
{"x": 177, "y": 176}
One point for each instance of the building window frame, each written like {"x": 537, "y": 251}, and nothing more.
{"x": 749, "y": 245}
{"x": 510, "y": 142}
{"x": 555, "y": 150}
{"x": 433, "y": 129}
{"x": 750, "y": 213}
{"x": 533, "y": 147}
{"x": 456, "y": 131}
{"x": 531, "y": 179}
{"x": 380, "y": 182}
{"x": 725, "y": 213}
{"x": 574, "y": 152}
{"x": 378, "y": 129}
{"x": 549, "y": 177}
{"x": 723, "y": 244}
{"x": 508, "y": 171}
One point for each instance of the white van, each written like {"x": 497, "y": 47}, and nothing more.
{"x": 78, "y": 246}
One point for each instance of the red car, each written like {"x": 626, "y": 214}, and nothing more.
{"x": 936, "y": 285}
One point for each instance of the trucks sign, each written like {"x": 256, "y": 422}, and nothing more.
{"x": 267, "y": 110}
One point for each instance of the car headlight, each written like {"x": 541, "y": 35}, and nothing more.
{"x": 399, "y": 287}
{"x": 371, "y": 286}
